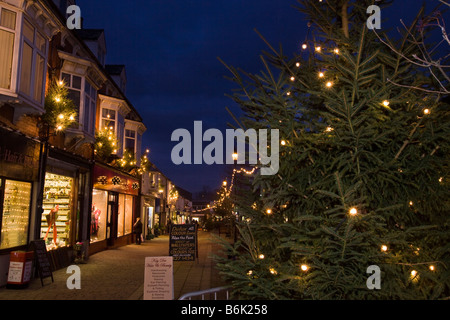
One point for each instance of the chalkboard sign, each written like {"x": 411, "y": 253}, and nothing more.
{"x": 183, "y": 242}
{"x": 42, "y": 260}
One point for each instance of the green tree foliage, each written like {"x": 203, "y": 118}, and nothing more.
{"x": 60, "y": 111}
{"x": 363, "y": 179}
{"x": 106, "y": 144}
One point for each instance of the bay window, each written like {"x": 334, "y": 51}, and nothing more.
{"x": 33, "y": 62}
{"x": 130, "y": 141}
{"x": 24, "y": 37}
{"x": 73, "y": 83}
{"x": 108, "y": 119}
{"x": 113, "y": 112}
{"x": 90, "y": 107}
{"x": 84, "y": 96}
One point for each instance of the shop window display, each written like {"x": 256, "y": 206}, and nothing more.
{"x": 98, "y": 215}
{"x": 16, "y": 213}
{"x": 128, "y": 214}
{"x": 57, "y": 205}
{"x": 121, "y": 216}
{"x": 125, "y": 215}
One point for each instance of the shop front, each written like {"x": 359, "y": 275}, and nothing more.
{"x": 65, "y": 205}
{"x": 114, "y": 199}
{"x": 19, "y": 171}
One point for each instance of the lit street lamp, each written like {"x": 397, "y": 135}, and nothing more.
{"x": 235, "y": 157}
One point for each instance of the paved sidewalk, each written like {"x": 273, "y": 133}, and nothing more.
{"x": 118, "y": 274}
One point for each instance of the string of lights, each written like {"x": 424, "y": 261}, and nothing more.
{"x": 352, "y": 212}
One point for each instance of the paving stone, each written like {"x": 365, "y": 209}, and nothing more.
{"x": 118, "y": 274}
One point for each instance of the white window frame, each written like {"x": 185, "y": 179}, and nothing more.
{"x": 90, "y": 127}
{"x": 121, "y": 109}
{"x": 137, "y": 127}
{"x": 16, "y": 66}
{"x": 15, "y": 49}
{"x": 115, "y": 127}
{"x": 35, "y": 52}
{"x": 92, "y": 110}
{"x": 109, "y": 119}
{"x": 125, "y": 137}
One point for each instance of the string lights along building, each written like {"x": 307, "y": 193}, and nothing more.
{"x": 56, "y": 181}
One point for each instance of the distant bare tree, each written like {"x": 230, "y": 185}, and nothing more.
{"x": 428, "y": 58}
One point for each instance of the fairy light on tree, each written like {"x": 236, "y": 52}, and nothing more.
{"x": 106, "y": 144}
{"x": 360, "y": 149}
{"x": 60, "y": 111}
{"x": 173, "y": 195}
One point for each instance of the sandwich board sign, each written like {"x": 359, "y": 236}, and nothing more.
{"x": 183, "y": 242}
{"x": 158, "y": 278}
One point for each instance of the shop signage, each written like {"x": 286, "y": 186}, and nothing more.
{"x": 158, "y": 278}
{"x": 110, "y": 180}
{"x": 183, "y": 242}
{"x": 19, "y": 156}
{"x": 42, "y": 259}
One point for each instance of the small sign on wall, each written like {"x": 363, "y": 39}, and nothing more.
{"x": 158, "y": 278}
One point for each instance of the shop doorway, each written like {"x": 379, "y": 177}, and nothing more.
{"x": 111, "y": 222}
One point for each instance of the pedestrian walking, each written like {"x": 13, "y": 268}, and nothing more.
{"x": 138, "y": 230}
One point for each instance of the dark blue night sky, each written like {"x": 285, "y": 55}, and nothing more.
{"x": 170, "y": 49}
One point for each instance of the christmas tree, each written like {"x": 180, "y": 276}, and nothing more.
{"x": 363, "y": 183}
{"x": 60, "y": 111}
{"x": 106, "y": 144}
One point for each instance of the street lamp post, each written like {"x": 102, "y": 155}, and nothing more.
{"x": 235, "y": 158}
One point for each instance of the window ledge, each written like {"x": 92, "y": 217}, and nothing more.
{"x": 22, "y": 104}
